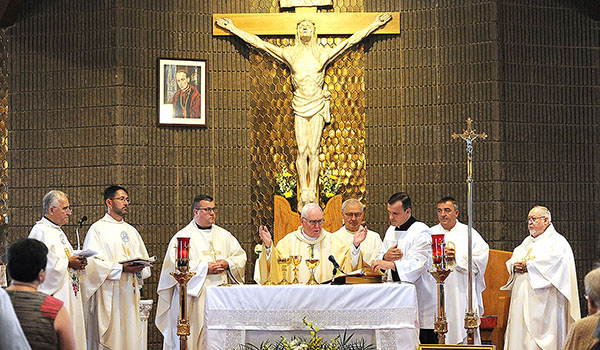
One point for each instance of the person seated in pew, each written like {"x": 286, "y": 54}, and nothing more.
{"x": 43, "y": 318}
{"x": 583, "y": 335}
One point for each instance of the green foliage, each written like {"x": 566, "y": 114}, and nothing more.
{"x": 328, "y": 181}
{"x": 315, "y": 342}
{"x": 286, "y": 181}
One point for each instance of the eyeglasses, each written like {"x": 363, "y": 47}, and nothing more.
{"x": 355, "y": 215}
{"x": 315, "y": 222}
{"x": 208, "y": 210}
{"x": 123, "y": 199}
{"x": 534, "y": 218}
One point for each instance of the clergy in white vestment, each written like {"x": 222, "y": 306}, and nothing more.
{"x": 456, "y": 285}
{"x": 309, "y": 241}
{"x": 111, "y": 289}
{"x": 406, "y": 256}
{"x": 544, "y": 300}
{"x": 64, "y": 270}
{"x": 216, "y": 258}
{"x": 367, "y": 242}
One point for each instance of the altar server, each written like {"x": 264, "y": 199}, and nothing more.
{"x": 111, "y": 289}
{"x": 367, "y": 242}
{"x": 456, "y": 287}
{"x": 216, "y": 258}
{"x": 64, "y": 270}
{"x": 544, "y": 298}
{"x": 406, "y": 255}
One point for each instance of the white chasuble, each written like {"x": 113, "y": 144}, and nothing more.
{"x": 369, "y": 248}
{"x": 456, "y": 285}
{"x": 61, "y": 281}
{"x": 112, "y": 297}
{"x": 544, "y": 300}
{"x": 296, "y": 243}
{"x": 206, "y": 245}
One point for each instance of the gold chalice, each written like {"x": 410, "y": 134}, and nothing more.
{"x": 312, "y": 265}
{"x": 284, "y": 271}
{"x": 296, "y": 259}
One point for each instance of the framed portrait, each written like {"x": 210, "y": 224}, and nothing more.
{"x": 181, "y": 92}
{"x": 456, "y": 347}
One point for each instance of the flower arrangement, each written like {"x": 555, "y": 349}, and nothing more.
{"x": 329, "y": 182}
{"x": 315, "y": 342}
{"x": 286, "y": 182}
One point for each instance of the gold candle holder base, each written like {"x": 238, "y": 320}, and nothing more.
{"x": 440, "y": 326}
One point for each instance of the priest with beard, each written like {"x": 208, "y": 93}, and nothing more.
{"x": 309, "y": 241}
{"x": 544, "y": 300}
{"x": 111, "y": 290}
{"x": 216, "y": 258}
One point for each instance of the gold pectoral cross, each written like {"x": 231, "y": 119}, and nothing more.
{"x": 212, "y": 252}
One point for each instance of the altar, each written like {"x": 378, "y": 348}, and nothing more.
{"x": 382, "y": 314}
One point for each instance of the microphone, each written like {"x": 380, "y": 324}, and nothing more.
{"x": 81, "y": 221}
{"x": 80, "y": 225}
{"x": 336, "y": 265}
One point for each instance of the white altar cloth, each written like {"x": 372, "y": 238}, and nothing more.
{"x": 385, "y": 315}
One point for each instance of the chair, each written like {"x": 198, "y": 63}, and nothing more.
{"x": 496, "y": 302}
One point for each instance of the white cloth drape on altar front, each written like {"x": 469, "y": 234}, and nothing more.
{"x": 383, "y": 314}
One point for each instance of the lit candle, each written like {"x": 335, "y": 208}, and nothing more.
{"x": 437, "y": 248}
{"x": 183, "y": 244}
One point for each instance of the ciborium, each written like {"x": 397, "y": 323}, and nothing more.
{"x": 312, "y": 265}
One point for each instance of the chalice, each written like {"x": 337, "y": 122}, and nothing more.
{"x": 296, "y": 259}
{"x": 284, "y": 271}
{"x": 312, "y": 264}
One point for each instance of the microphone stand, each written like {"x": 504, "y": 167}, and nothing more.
{"x": 77, "y": 233}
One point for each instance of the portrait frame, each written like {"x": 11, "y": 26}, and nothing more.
{"x": 181, "y": 96}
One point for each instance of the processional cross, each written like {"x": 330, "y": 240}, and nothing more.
{"x": 469, "y": 136}
{"x": 307, "y": 62}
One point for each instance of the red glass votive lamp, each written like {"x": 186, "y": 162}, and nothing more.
{"x": 437, "y": 247}
{"x": 183, "y": 245}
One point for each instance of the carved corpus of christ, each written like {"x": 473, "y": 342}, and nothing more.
{"x": 307, "y": 61}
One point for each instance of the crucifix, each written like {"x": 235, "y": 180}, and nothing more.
{"x": 469, "y": 136}
{"x": 307, "y": 61}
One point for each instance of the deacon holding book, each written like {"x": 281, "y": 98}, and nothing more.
{"x": 111, "y": 290}
{"x": 216, "y": 258}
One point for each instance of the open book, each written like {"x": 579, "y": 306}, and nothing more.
{"x": 86, "y": 253}
{"x": 140, "y": 261}
{"x": 360, "y": 276}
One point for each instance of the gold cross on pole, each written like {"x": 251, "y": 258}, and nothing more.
{"x": 212, "y": 252}
{"x": 469, "y": 136}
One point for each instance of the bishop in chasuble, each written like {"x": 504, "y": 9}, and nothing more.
{"x": 111, "y": 289}
{"x": 216, "y": 258}
{"x": 544, "y": 299}
{"x": 64, "y": 270}
{"x": 309, "y": 241}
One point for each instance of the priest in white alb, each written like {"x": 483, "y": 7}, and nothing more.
{"x": 64, "y": 270}
{"x": 309, "y": 241}
{"x": 456, "y": 285}
{"x": 111, "y": 289}
{"x": 366, "y": 241}
{"x": 216, "y": 258}
{"x": 544, "y": 300}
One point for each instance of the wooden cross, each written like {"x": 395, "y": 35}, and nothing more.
{"x": 327, "y": 23}
{"x": 212, "y": 252}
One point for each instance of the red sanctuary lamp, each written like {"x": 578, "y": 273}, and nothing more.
{"x": 440, "y": 272}
{"x": 183, "y": 276}
{"x": 183, "y": 253}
